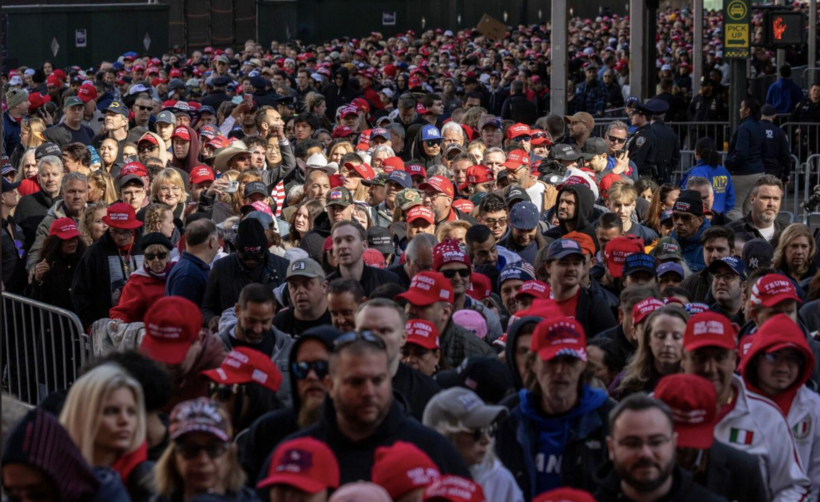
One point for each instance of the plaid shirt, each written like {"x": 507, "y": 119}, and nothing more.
{"x": 590, "y": 98}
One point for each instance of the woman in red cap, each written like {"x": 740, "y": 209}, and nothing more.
{"x": 109, "y": 262}
{"x": 50, "y": 282}
{"x": 147, "y": 284}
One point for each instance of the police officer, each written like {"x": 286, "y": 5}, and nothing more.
{"x": 643, "y": 145}
{"x": 286, "y": 105}
{"x": 808, "y": 111}
{"x": 262, "y": 94}
{"x": 708, "y": 106}
{"x": 777, "y": 154}
{"x": 667, "y": 155}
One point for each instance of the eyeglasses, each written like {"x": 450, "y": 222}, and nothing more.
{"x": 431, "y": 196}
{"x": 463, "y": 272}
{"x": 353, "y": 336}
{"x": 539, "y": 135}
{"x": 302, "y": 370}
{"x": 433, "y": 143}
{"x": 190, "y": 451}
{"x": 521, "y": 139}
{"x": 145, "y": 149}
{"x": 144, "y": 108}
{"x": 152, "y": 256}
{"x": 616, "y": 140}
{"x": 496, "y": 223}
{"x": 684, "y": 217}
{"x": 223, "y": 392}
{"x": 789, "y": 358}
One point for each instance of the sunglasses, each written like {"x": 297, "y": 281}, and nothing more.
{"x": 144, "y": 108}
{"x": 463, "y": 272}
{"x": 353, "y": 336}
{"x": 190, "y": 451}
{"x": 223, "y": 392}
{"x": 302, "y": 370}
{"x": 522, "y": 138}
{"x": 616, "y": 140}
{"x": 483, "y": 432}
{"x": 433, "y": 143}
{"x": 152, "y": 256}
{"x": 539, "y": 135}
{"x": 144, "y": 149}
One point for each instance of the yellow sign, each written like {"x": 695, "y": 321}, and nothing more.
{"x": 737, "y": 36}
{"x": 736, "y": 10}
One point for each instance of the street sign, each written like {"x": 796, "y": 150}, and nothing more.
{"x": 736, "y": 29}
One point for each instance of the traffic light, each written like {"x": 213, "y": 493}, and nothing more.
{"x": 783, "y": 28}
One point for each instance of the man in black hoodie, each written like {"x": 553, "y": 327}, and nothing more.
{"x": 361, "y": 414}
{"x": 307, "y": 365}
{"x": 574, "y": 207}
{"x": 339, "y": 93}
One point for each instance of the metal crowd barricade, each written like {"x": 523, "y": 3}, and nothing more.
{"x": 687, "y": 162}
{"x": 690, "y": 132}
{"x": 797, "y": 171}
{"x": 44, "y": 348}
{"x": 812, "y": 172}
{"x": 804, "y": 138}
{"x": 810, "y": 76}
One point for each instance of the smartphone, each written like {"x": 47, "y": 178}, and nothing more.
{"x": 247, "y": 97}
{"x": 233, "y": 186}
{"x": 236, "y": 100}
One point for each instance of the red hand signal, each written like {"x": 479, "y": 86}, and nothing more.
{"x": 779, "y": 28}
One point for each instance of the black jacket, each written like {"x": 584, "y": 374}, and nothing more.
{"x": 336, "y": 96}
{"x": 215, "y": 98}
{"x": 683, "y": 489}
{"x": 372, "y": 278}
{"x": 313, "y": 241}
{"x": 699, "y": 286}
{"x": 592, "y": 317}
{"x": 667, "y": 155}
{"x": 745, "y": 225}
{"x": 356, "y": 458}
{"x": 416, "y": 388}
{"x": 618, "y": 343}
{"x": 55, "y": 288}
{"x": 733, "y": 474}
{"x": 15, "y": 276}
{"x": 777, "y": 158}
{"x": 509, "y": 349}
{"x": 228, "y": 277}
{"x": 519, "y": 109}
{"x": 401, "y": 273}
{"x": 93, "y": 286}
{"x": 30, "y": 212}
{"x": 584, "y": 207}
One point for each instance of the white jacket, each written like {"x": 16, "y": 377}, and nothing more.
{"x": 804, "y": 420}
{"x": 497, "y": 482}
{"x": 757, "y": 426}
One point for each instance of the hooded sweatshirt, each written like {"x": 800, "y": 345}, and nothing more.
{"x": 39, "y": 441}
{"x": 584, "y": 206}
{"x": 552, "y": 434}
{"x": 691, "y": 247}
{"x": 418, "y": 153}
{"x": 509, "y": 349}
{"x": 162, "y": 154}
{"x": 192, "y": 159}
{"x": 336, "y": 96}
{"x": 799, "y": 404}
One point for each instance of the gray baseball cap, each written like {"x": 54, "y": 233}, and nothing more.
{"x": 460, "y": 405}
{"x": 166, "y": 117}
{"x": 305, "y": 268}
{"x": 594, "y": 147}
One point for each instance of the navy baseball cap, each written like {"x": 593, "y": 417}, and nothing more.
{"x": 670, "y": 266}
{"x": 401, "y": 178}
{"x": 666, "y": 216}
{"x": 758, "y": 253}
{"x": 736, "y": 264}
{"x": 118, "y": 107}
{"x": 639, "y": 262}
{"x": 517, "y": 270}
{"x": 430, "y": 133}
{"x": 524, "y": 216}
{"x": 562, "y": 248}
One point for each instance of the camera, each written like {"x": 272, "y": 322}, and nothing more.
{"x": 813, "y": 201}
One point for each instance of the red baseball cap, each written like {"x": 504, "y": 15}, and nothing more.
{"x": 342, "y": 132}
{"x": 171, "y": 326}
{"x": 559, "y": 337}
{"x": 64, "y": 228}
{"x": 427, "y": 288}
{"x": 201, "y": 174}
{"x": 464, "y": 205}
{"x": 391, "y": 164}
{"x": 413, "y": 82}
{"x": 693, "y": 401}
{"x": 540, "y": 138}
{"x": 36, "y": 100}
{"x": 122, "y": 216}
{"x": 175, "y": 72}
{"x": 327, "y": 245}
{"x": 454, "y": 489}
{"x": 536, "y": 289}
{"x": 645, "y": 307}
{"x": 517, "y": 130}
{"x": 772, "y": 289}
{"x": 479, "y": 174}
{"x": 53, "y": 81}
{"x": 606, "y": 183}
{"x": 448, "y": 251}
{"x": 87, "y": 92}
{"x": 303, "y": 463}
{"x": 361, "y": 104}
{"x": 616, "y": 252}
{"x": 149, "y": 138}
{"x": 564, "y": 495}
{"x": 583, "y": 240}
{"x": 416, "y": 170}
{"x": 348, "y": 110}
{"x": 182, "y": 133}
{"x": 516, "y": 159}
{"x": 403, "y": 467}
{"x": 709, "y": 329}
{"x": 439, "y": 184}
{"x": 373, "y": 258}
{"x": 245, "y": 365}
{"x": 135, "y": 168}
{"x": 363, "y": 170}
{"x": 422, "y": 333}
{"x": 480, "y": 286}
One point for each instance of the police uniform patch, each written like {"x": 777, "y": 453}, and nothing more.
{"x": 640, "y": 141}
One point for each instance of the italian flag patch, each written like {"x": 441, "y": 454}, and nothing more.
{"x": 741, "y": 436}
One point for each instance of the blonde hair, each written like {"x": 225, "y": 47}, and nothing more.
{"x": 153, "y": 216}
{"x": 447, "y": 227}
{"x": 347, "y": 145}
{"x": 230, "y": 175}
{"x": 84, "y": 406}
{"x": 639, "y": 370}
{"x": 21, "y": 171}
{"x": 791, "y": 233}
{"x": 104, "y": 181}
{"x": 36, "y": 127}
{"x": 168, "y": 175}
{"x": 622, "y": 192}
{"x": 88, "y": 219}
{"x": 168, "y": 482}
{"x": 473, "y": 116}
{"x": 477, "y": 145}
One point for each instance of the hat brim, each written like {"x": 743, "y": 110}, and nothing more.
{"x": 709, "y": 342}
{"x": 416, "y": 298}
{"x": 699, "y": 437}
{"x": 641, "y": 269}
{"x": 70, "y": 234}
{"x": 425, "y": 343}
{"x": 485, "y": 416}
{"x": 195, "y": 427}
{"x": 122, "y": 225}
{"x": 550, "y": 353}
{"x": 564, "y": 253}
{"x": 303, "y": 483}
{"x": 771, "y": 301}
{"x": 165, "y": 352}
{"x": 512, "y": 166}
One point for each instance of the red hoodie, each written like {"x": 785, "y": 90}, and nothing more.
{"x": 778, "y": 332}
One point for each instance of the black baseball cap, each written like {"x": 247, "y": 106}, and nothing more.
{"x": 45, "y": 150}
{"x": 488, "y": 377}
{"x": 255, "y": 187}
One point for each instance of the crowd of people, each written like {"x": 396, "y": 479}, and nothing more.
{"x": 381, "y": 270}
